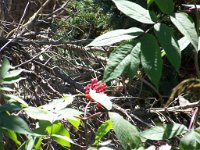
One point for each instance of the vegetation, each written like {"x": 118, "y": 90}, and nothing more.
{"x": 104, "y": 75}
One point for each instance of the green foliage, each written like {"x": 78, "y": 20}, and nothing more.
{"x": 102, "y": 130}
{"x": 127, "y": 134}
{"x": 164, "y": 132}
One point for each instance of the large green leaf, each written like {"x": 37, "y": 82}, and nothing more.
{"x": 102, "y": 130}
{"x": 127, "y": 134}
{"x": 12, "y": 80}
{"x": 190, "y": 141}
{"x": 40, "y": 114}
{"x": 135, "y": 11}
{"x": 186, "y": 27}
{"x": 151, "y": 58}
{"x": 124, "y": 57}
{"x": 166, "y": 6}
{"x": 169, "y": 44}
{"x": 167, "y": 131}
{"x": 68, "y": 113}
{"x": 14, "y": 123}
{"x": 58, "y": 104}
{"x": 116, "y": 36}
{"x": 58, "y": 129}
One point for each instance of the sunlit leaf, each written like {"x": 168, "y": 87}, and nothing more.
{"x": 123, "y": 58}
{"x": 12, "y": 135}
{"x": 183, "y": 43}
{"x": 13, "y": 73}
{"x": 167, "y": 131}
{"x": 102, "y": 130}
{"x": 126, "y": 133}
{"x": 135, "y": 11}
{"x": 101, "y": 98}
{"x": 4, "y": 68}
{"x": 59, "y": 134}
{"x": 58, "y": 104}
{"x": 186, "y": 27}
{"x": 116, "y": 36}
{"x": 190, "y": 141}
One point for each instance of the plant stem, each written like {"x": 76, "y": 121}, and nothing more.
{"x": 196, "y": 63}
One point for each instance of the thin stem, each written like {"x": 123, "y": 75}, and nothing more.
{"x": 196, "y": 63}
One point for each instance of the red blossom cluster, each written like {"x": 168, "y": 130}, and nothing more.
{"x": 96, "y": 85}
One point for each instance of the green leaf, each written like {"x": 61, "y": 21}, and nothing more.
{"x": 101, "y": 98}
{"x": 186, "y": 27}
{"x": 58, "y": 104}
{"x": 151, "y": 58}
{"x": 127, "y": 134}
{"x": 14, "y": 123}
{"x": 166, "y": 6}
{"x": 40, "y": 114}
{"x": 167, "y": 131}
{"x": 68, "y": 113}
{"x": 12, "y": 135}
{"x": 59, "y": 134}
{"x": 123, "y": 58}
{"x": 6, "y": 89}
{"x": 13, "y": 73}
{"x": 116, "y": 36}
{"x": 10, "y": 107}
{"x": 62, "y": 140}
{"x": 183, "y": 43}
{"x": 12, "y": 80}
{"x": 169, "y": 44}
{"x": 190, "y": 141}
{"x": 135, "y": 11}
{"x": 149, "y": 2}
{"x": 4, "y": 68}
{"x": 16, "y": 99}
{"x": 76, "y": 123}
{"x": 102, "y": 130}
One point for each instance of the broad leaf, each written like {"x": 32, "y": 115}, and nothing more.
{"x": 68, "y": 113}
{"x": 123, "y": 58}
{"x": 127, "y": 134}
{"x": 135, "y": 11}
{"x": 101, "y": 98}
{"x": 58, "y": 104}
{"x": 102, "y": 130}
{"x": 75, "y": 122}
{"x": 167, "y": 131}
{"x": 116, "y": 36}
{"x": 15, "y": 99}
{"x": 186, "y": 27}
{"x": 169, "y": 44}
{"x": 40, "y": 114}
{"x": 183, "y": 43}
{"x": 166, "y": 6}
{"x": 151, "y": 58}
{"x": 12, "y": 80}
{"x": 190, "y": 141}
{"x": 58, "y": 129}
{"x": 14, "y": 123}
{"x": 6, "y": 89}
